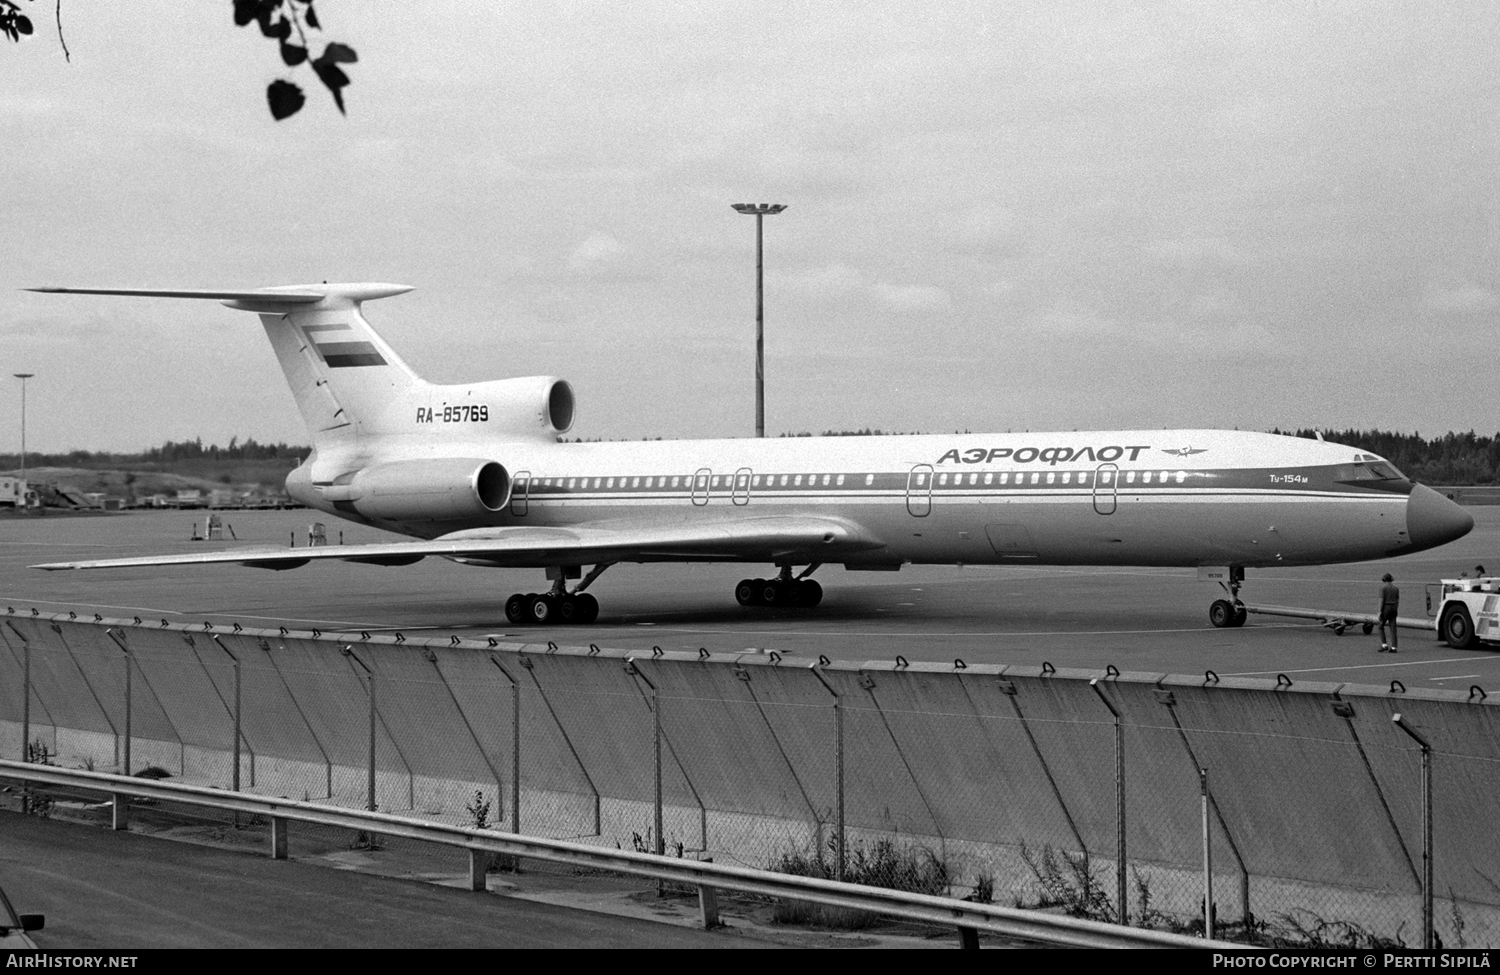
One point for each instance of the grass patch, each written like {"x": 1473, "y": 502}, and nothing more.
{"x": 883, "y": 863}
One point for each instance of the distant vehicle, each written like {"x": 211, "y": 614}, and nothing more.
{"x": 15, "y": 928}
{"x": 1468, "y": 611}
{"x": 475, "y": 471}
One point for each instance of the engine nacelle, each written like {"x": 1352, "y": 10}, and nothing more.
{"x": 426, "y": 490}
{"x": 530, "y": 406}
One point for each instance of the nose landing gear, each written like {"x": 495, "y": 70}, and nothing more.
{"x": 1229, "y": 612}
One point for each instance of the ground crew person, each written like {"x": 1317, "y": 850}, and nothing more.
{"x": 1390, "y": 599}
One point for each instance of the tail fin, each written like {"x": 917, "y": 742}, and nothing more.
{"x": 347, "y": 381}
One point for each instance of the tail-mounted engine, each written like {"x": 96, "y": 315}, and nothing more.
{"x": 423, "y": 490}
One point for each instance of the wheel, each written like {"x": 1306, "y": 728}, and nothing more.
{"x": 543, "y": 609}
{"x": 809, "y": 593}
{"x": 515, "y": 609}
{"x": 1240, "y": 615}
{"x": 1368, "y": 628}
{"x": 1221, "y": 613}
{"x": 1457, "y": 628}
{"x": 772, "y": 593}
{"x": 745, "y": 592}
{"x": 1338, "y": 630}
{"x": 588, "y": 608}
{"x": 567, "y": 610}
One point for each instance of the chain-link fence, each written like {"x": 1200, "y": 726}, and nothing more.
{"x": 1305, "y": 809}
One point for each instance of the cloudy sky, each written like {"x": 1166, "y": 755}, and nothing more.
{"x": 1038, "y": 215}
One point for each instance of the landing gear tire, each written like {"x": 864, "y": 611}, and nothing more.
{"x": 747, "y": 591}
{"x": 515, "y": 609}
{"x": 1221, "y": 613}
{"x": 567, "y": 609}
{"x": 1240, "y": 615}
{"x": 1457, "y": 628}
{"x": 772, "y": 593}
{"x": 542, "y": 609}
{"x": 1368, "y": 628}
{"x": 808, "y": 593}
{"x": 588, "y": 608}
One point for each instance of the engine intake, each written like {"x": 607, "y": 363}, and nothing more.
{"x": 426, "y": 490}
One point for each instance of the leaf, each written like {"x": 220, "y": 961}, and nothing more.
{"x": 280, "y": 28}
{"x": 286, "y": 99}
{"x": 245, "y": 11}
{"x": 334, "y": 79}
{"x": 23, "y": 23}
{"x": 312, "y": 18}
{"x": 336, "y": 53}
{"x": 292, "y": 54}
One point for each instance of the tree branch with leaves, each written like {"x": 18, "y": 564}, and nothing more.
{"x": 278, "y": 20}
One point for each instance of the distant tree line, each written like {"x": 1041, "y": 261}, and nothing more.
{"x": 1453, "y": 458}
{"x": 169, "y": 452}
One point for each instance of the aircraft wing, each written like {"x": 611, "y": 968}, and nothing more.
{"x": 756, "y": 539}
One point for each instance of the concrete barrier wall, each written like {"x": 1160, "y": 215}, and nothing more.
{"x": 1315, "y": 793}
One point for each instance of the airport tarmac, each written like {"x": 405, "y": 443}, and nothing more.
{"x": 1151, "y": 620}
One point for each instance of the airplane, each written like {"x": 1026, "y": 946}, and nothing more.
{"x": 477, "y": 473}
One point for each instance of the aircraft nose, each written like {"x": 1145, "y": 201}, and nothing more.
{"x": 1433, "y": 520}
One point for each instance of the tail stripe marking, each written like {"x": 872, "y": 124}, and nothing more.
{"x": 342, "y": 355}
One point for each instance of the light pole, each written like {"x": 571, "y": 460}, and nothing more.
{"x": 23, "y": 376}
{"x": 761, "y": 210}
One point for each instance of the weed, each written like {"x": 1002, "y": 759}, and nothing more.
{"x": 88, "y": 763}
{"x": 37, "y": 753}
{"x": 984, "y": 888}
{"x": 478, "y": 809}
{"x": 883, "y": 864}
{"x": 35, "y": 803}
{"x": 365, "y": 840}
{"x": 1308, "y": 930}
{"x": 1070, "y": 884}
{"x": 1456, "y": 917}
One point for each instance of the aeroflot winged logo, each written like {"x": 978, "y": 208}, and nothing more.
{"x": 1184, "y": 451}
{"x": 333, "y": 345}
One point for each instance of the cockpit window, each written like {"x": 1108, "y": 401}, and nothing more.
{"x": 1369, "y": 470}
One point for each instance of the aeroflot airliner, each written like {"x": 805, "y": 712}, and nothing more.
{"x": 475, "y": 472}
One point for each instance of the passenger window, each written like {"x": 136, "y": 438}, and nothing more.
{"x": 973, "y": 478}
{"x": 826, "y": 479}
{"x": 1181, "y": 476}
{"x": 869, "y": 479}
{"x": 1051, "y": 477}
{"x": 1130, "y": 477}
{"x": 1067, "y": 475}
{"x": 797, "y": 482}
{"x": 1146, "y": 477}
{"x": 716, "y": 480}
{"x": 1162, "y": 477}
{"x": 1083, "y": 477}
{"x": 755, "y": 481}
{"x": 989, "y": 479}
{"x": 942, "y": 478}
{"x": 841, "y": 480}
{"x": 610, "y": 483}
{"x": 921, "y": 479}
{"x": 1005, "y": 478}
{"x": 635, "y": 482}
{"x": 783, "y": 480}
{"x": 572, "y": 482}
{"x": 677, "y": 482}
{"x": 1035, "y": 477}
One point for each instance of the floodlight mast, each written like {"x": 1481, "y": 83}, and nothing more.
{"x": 23, "y": 376}
{"x": 760, "y": 210}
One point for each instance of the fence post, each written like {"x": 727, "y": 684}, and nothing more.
{"x": 838, "y": 722}
{"x": 1208, "y": 859}
{"x": 25, "y": 699}
{"x": 660, "y": 845}
{"x": 515, "y": 757}
{"x": 1123, "y": 910}
{"x": 1426, "y": 828}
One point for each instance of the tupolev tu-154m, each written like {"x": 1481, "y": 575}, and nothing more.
{"x": 475, "y": 473}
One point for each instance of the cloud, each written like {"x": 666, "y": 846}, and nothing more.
{"x": 911, "y": 297}
{"x": 842, "y": 282}
{"x": 1448, "y": 292}
{"x": 1193, "y": 251}
{"x": 598, "y": 250}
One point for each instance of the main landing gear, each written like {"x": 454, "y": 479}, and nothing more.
{"x": 1229, "y": 612}
{"x": 557, "y": 606}
{"x": 780, "y": 591}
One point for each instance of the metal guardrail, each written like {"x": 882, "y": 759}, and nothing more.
{"x": 967, "y": 917}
